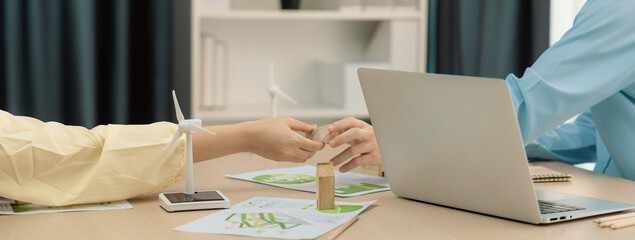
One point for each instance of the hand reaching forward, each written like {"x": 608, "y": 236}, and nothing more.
{"x": 276, "y": 139}
{"x": 361, "y": 137}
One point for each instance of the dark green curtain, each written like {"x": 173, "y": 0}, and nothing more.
{"x": 488, "y": 38}
{"x": 86, "y": 62}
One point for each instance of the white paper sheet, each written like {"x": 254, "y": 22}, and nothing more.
{"x": 303, "y": 178}
{"x": 276, "y": 218}
{"x": 8, "y": 207}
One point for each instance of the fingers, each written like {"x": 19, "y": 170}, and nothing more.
{"x": 299, "y": 156}
{"x": 343, "y": 156}
{"x": 346, "y": 123}
{"x": 302, "y": 142}
{"x": 291, "y": 157}
{"x": 363, "y": 149}
{"x": 297, "y": 125}
{"x": 308, "y": 144}
{"x": 350, "y": 165}
{"x": 352, "y": 136}
{"x": 361, "y": 160}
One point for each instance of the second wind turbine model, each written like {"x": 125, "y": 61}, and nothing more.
{"x": 274, "y": 92}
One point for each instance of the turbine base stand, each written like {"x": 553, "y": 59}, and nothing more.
{"x": 209, "y": 199}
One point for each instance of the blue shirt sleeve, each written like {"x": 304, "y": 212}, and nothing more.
{"x": 594, "y": 60}
{"x": 572, "y": 142}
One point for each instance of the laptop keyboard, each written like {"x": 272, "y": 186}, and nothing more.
{"x": 552, "y": 207}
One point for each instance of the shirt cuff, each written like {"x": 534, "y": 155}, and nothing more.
{"x": 514, "y": 90}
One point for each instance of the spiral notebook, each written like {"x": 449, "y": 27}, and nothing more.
{"x": 542, "y": 174}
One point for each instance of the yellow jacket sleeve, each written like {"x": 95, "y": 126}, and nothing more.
{"x": 53, "y": 164}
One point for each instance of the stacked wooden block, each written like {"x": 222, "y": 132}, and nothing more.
{"x": 325, "y": 186}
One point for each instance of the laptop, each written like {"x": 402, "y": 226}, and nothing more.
{"x": 455, "y": 141}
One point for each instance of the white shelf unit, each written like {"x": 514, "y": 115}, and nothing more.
{"x": 297, "y": 41}
{"x": 308, "y": 15}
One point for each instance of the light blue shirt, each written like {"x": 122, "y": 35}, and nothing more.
{"x": 591, "y": 72}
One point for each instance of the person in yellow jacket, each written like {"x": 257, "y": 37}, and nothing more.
{"x": 53, "y": 164}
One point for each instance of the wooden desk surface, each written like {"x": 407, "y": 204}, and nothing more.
{"x": 389, "y": 218}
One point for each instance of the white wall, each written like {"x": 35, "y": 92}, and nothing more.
{"x": 562, "y": 13}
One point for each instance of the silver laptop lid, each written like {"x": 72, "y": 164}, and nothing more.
{"x": 451, "y": 140}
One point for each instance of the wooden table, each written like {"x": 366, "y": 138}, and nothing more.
{"x": 389, "y": 218}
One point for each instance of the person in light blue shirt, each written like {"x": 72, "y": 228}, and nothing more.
{"x": 590, "y": 72}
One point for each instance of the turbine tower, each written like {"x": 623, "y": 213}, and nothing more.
{"x": 190, "y": 200}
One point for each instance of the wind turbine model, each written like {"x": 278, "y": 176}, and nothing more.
{"x": 274, "y": 92}
{"x": 190, "y": 200}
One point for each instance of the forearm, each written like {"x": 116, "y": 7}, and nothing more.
{"x": 229, "y": 139}
{"x": 53, "y": 164}
{"x": 272, "y": 138}
{"x": 572, "y": 142}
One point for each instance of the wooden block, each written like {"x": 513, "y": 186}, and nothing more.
{"x": 322, "y": 134}
{"x": 325, "y": 186}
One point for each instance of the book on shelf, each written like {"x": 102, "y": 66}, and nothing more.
{"x": 220, "y": 92}
{"x": 208, "y": 43}
{"x": 542, "y": 174}
{"x": 213, "y": 71}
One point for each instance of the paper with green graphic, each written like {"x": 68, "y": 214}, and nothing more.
{"x": 283, "y": 178}
{"x": 9, "y": 207}
{"x": 303, "y": 178}
{"x": 266, "y": 220}
{"x": 276, "y": 218}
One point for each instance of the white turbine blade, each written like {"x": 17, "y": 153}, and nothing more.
{"x": 177, "y": 109}
{"x": 201, "y": 129}
{"x": 285, "y": 96}
{"x": 272, "y": 75}
{"x": 177, "y": 135}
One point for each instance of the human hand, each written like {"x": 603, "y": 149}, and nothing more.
{"x": 276, "y": 139}
{"x": 361, "y": 136}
